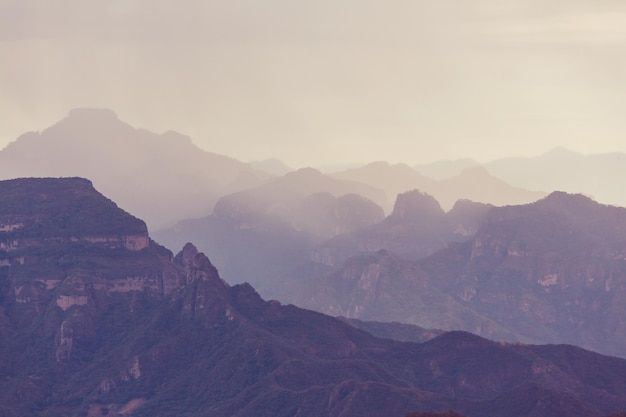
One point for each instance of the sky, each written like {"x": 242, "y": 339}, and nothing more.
{"x": 326, "y": 82}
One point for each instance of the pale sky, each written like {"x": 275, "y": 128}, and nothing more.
{"x": 326, "y": 82}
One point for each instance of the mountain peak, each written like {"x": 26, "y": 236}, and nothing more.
{"x": 414, "y": 205}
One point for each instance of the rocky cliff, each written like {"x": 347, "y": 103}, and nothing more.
{"x": 65, "y": 250}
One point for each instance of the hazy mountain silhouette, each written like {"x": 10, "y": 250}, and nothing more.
{"x": 89, "y": 333}
{"x": 417, "y": 227}
{"x": 272, "y": 166}
{"x": 393, "y": 179}
{"x": 473, "y": 184}
{"x": 441, "y": 170}
{"x": 560, "y": 169}
{"x": 162, "y": 178}
{"x": 276, "y": 225}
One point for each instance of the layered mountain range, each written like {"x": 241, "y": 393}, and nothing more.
{"x": 165, "y": 178}
{"x": 97, "y": 319}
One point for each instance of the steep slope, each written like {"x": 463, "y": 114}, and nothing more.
{"x": 162, "y": 178}
{"x": 64, "y": 249}
{"x": 206, "y": 348}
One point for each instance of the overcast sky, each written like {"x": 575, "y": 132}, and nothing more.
{"x": 324, "y": 82}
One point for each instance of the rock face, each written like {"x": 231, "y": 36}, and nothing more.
{"x": 65, "y": 249}
{"x": 85, "y": 333}
{"x": 552, "y": 271}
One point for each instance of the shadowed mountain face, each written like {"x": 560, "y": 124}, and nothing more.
{"x": 161, "y": 178}
{"x": 93, "y": 344}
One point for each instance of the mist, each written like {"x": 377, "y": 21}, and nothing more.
{"x": 327, "y": 82}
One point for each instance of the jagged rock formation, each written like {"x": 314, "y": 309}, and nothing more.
{"x": 207, "y": 348}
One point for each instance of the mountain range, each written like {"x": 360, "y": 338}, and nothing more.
{"x": 548, "y": 272}
{"x": 96, "y": 319}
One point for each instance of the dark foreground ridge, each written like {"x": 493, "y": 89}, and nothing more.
{"x": 91, "y": 326}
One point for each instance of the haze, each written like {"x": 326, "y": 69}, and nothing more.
{"x": 327, "y": 82}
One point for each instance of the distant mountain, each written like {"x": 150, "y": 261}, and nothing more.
{"x": 441, "y": 170}
{"x": 392, "y": 179}
{"x": 476, "y": 184}
{"x": 162, "y": 178}
{"x": 553, "y": 271}
{"x": 473, "y": 183}
{"x": 272, "y": 166}
{"x": 103, "y": 340}
{"x": 417, "y": 227}
{"x": 290, "y": 238}
{"x": 564, "y": 170}
{"x": 276, "y": 225}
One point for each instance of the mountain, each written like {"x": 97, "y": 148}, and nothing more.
{"x": 441, "y": 170}
{"x": 548, "y": 272}
{"x": 472, "y": 183}
{"x": 416, "y": 228}
{"x": 392, "y": 179}
{"x": 92, "y": 344}
{"x": 272, "y": 166}
{"x": 276, "y": 225}
{"x": 162, "y": 178}
{"x": 477, "y": 184}
{"x": 563, "y": 170}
